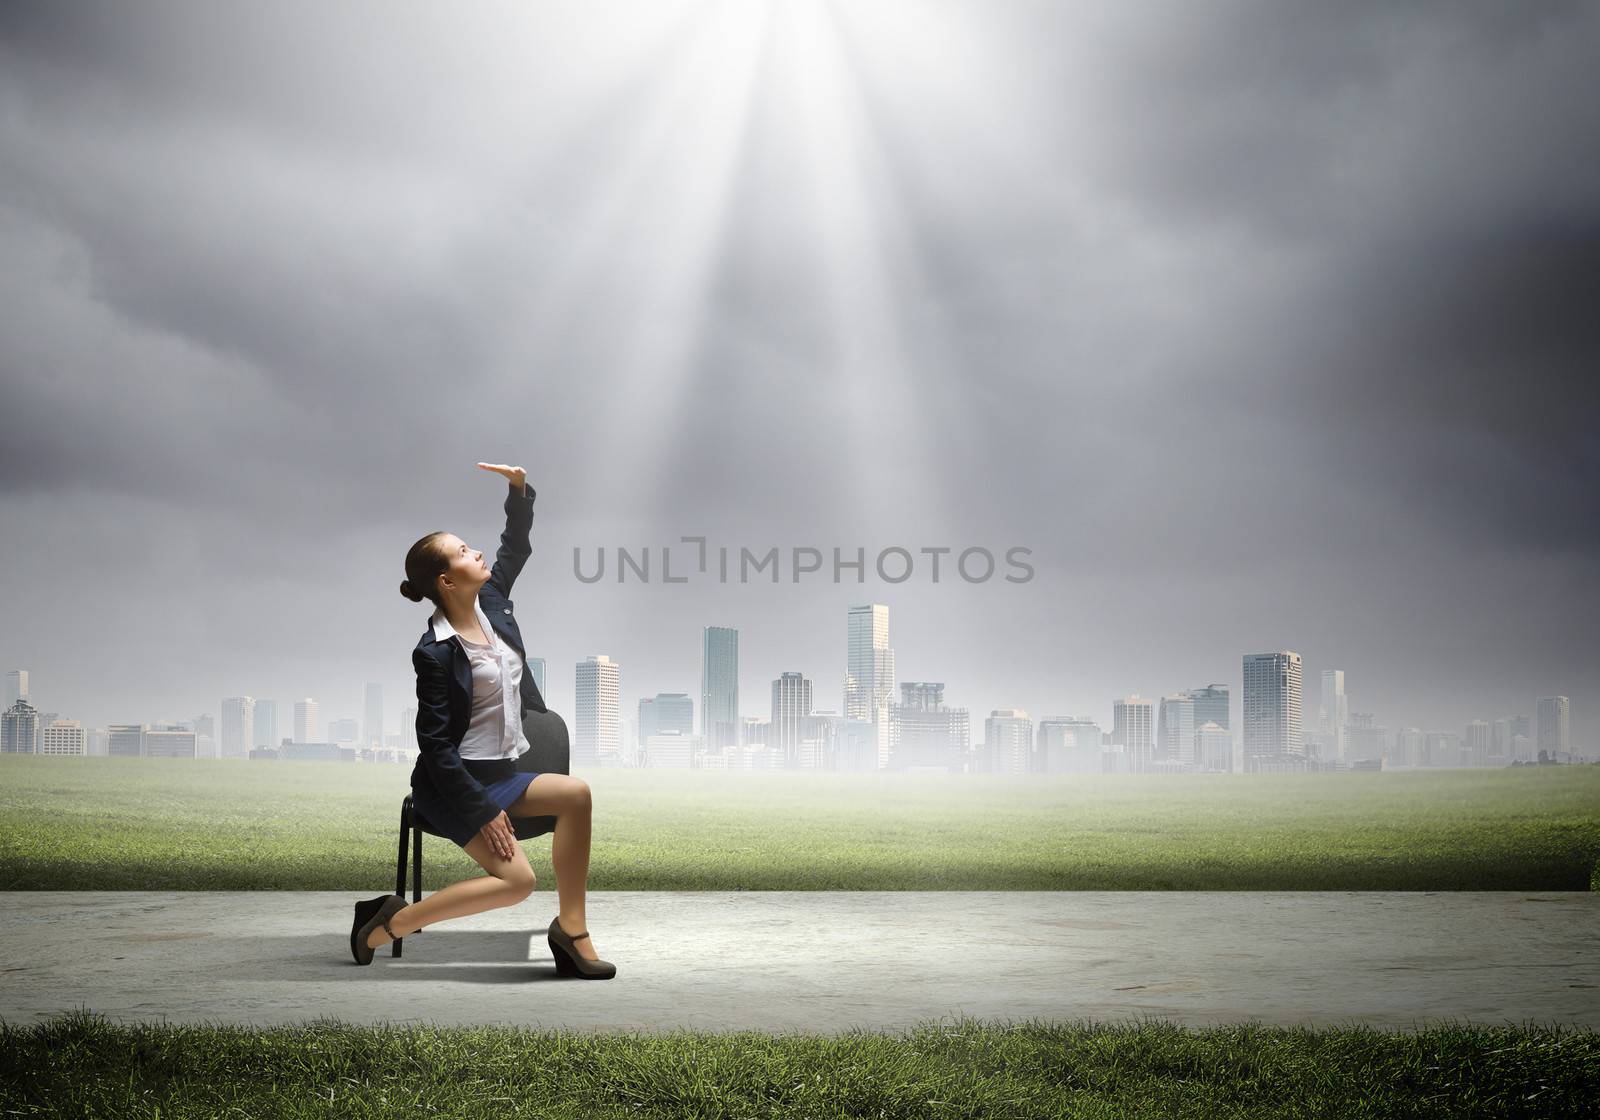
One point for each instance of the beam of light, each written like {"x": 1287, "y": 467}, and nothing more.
{"x": 643, "y": 244}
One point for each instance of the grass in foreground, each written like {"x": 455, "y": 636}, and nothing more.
{"x": 79, "y": 1065}
{"x": 171, "y": 824}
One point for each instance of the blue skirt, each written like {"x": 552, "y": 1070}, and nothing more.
{"x": 503, "y": 793}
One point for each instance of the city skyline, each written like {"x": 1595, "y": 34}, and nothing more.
{"x": 1179, "y": 717}
{"x": 1311, "y": 369}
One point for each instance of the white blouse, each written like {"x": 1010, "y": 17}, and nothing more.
{"x": 495, "y": 727}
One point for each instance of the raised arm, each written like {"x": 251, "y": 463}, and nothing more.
{"x": 515, "y": 546}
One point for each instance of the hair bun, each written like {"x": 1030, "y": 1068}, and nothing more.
{"x": 405, "y": 589}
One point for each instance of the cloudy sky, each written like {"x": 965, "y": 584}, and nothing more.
{"x": 1263, "y": 326}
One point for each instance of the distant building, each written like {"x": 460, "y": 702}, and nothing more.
{"x": 791, "y": 702}
{"x": 925, "y": 734}
{"x": 1555, "y": 727}
{"x": 1133, "y": 729}
{"x": 869, "y": 663}
{"x": 165, "y": 741}
{"x": 1335, "y": 710}
{"x": 19, "y": 727}
{"x": 238, "y": 725}
{"x": 1272, "y": 711}
{"x": 1176, "y": 739}
{"x": 719, "y": 687}
{"x": 306, "y": 725}
{"x": 1008, "y": 738}
{"x": 64, "y": 737}
{"x": 669, "y": 713}
{"x": 596, "y": 735}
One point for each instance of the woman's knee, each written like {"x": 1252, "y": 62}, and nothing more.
{"x": 519, "y": 882}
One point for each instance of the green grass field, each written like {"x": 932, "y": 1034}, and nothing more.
{"x": 81, "y": 1066}
{"x": 166, "y": 824}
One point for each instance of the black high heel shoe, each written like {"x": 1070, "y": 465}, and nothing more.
{"x": 369, "y": 915}
{"x": 570, "y": 962}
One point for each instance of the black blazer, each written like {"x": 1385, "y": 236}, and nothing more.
{"x": 444, "y": 679}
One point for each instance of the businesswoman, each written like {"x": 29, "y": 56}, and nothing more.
{"x": 473, "y": 687}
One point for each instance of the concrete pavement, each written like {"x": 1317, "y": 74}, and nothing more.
{"x": 819, "y": 961}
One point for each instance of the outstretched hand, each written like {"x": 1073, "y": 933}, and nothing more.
{"x": 515, "y": 475}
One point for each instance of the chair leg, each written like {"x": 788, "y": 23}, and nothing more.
{"x": 400, "y": 863}
{"x": 416, "y": 865}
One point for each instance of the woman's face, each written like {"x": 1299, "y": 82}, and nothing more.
{"x": 467, "y": 566}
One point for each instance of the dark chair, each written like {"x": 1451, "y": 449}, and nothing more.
{"x": 549, "y": 752}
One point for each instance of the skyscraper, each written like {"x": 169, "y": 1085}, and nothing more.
{"x": 791, "y": 703}
{"x": 266, "y": 724}
{"x": 719, "y": 687}
{"x": 1272, "y": 708}
{"x": 16, "y": 687}
{"x": 19, "y": 728}
{"x": 372, "y": 727}
{"x": 869, "y": 663}
{"x": 306, "y": 722}
{"x": 536, "y": 667}
{"x": 665, "y": 713}
{"x": 238, "y": 720}
{"x": 1211, "y": 706}
{"x": 1008, "y": 739}
{"x": 1335, "y": 711}
{"x": 1555, "y": 726}
{"x": 1132, "y": 728}
{"x": 596, "y": 735}
{"x": 924, "y": 733}
{"x": 1176, "y": 736}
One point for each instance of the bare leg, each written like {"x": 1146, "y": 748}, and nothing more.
{"x": 509, "y": 882}
{"x": 569, "y": 852}
{"x": 568, "y": 799}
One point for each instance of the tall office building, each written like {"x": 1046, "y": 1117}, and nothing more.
{"x": 1215, "y": 747}
{"x": 924, "y": 732}
{"x": 16, "y": 688}
{"x": 1272, "y": 708}
{"x": 536, "y": 667}
{"x": 1476, "y": 743}
{"x": 372, "y": 729}
{"x": 1210, "y": 705}
{"x": 19, "y": 728}
{"x": 665, "y": 713}
{"x": 1176, "y": 736}
{"x": 238, "y": 726}
{"x": 1008, "y": 741}
{"x": 306, "y": 723}
{"x": 1555, "y": 727}
{"x": 1133, "y": 729}
{"x": 266, "y": 733}
{"x": 1409, "y": 744}
{"x": 719, "y": 687}
{"x": 869, "y": 663}
{"x": 596, "y": 734}
{"x": 1366, "y": 740}
{"x": 408, "y": 727}
{"x": 791, "y": 704}
{"x": 125, "y": 740}
{"x": 1335, "y": 711}
{"x": 1055, "y": 745}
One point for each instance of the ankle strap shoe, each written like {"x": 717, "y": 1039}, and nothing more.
{"x": 570, "y": 962}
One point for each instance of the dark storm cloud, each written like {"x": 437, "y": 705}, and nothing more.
{"x": 1210, "y": 305}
